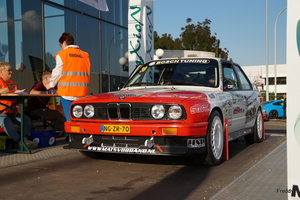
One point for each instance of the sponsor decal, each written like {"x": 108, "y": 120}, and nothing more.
{"x": 238, "y": 109}
{"x": 163, "y": 62}
{"x": 211, "y": 95}
{"x": 52, "y": 140}
{"x": 37, "y": 140}
{"x": 75, "y": 55}
{"x": 199, "y": 108}
{"x": 221, "y": 96}
{"x": 196, "y": 143}
{"x": 127, "y": 95}
{"x": 227, "y": 108}
{"x": 121, "y": 150}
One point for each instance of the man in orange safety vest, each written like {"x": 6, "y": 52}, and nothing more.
{"x": 71, "y": 73}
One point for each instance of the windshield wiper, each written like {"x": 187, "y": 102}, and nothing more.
{"x": 181, "y": 82}
{"x": 142, "y": 83}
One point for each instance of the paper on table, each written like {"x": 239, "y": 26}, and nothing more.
{"x": 20, "y": 92}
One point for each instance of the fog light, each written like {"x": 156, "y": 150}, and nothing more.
{"x": 75, "y": 128}
{"x": 169, "y": 131}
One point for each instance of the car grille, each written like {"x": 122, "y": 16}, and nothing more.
{"x": 123, "y": 111}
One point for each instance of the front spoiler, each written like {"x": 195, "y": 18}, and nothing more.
{"x": 139, "y": 144}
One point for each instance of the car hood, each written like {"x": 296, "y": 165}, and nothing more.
{"x": 157, "y": 95}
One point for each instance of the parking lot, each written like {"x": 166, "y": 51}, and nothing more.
{"x": 254, "y": 171}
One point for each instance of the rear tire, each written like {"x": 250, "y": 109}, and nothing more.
{"x": 273, "y": 114}
{"x": 256, "y": 136}
{"x": 214, "y": 139}
{"x": 91, "y": 154}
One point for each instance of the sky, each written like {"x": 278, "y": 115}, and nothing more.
{"x": 240, "y": 25}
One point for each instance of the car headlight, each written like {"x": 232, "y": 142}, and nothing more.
{"x": 89, "y": 111}
{"x": 158, "y": 111}
{"x": 77, "y": 111}
{"x": 264, "y": 112}
{"x": 175, "y": 112}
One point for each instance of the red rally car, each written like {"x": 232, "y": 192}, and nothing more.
{"x": 172, "y": 106}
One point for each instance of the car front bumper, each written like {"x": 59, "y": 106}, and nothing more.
{"x": 142, "y": 139}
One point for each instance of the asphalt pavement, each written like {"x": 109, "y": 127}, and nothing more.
{"x": 265, "y": 177}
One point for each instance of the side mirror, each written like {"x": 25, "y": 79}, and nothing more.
{"x": 121, "y": 85}
{"x": 254, "y": 86}
{"x": 228, "y": 85}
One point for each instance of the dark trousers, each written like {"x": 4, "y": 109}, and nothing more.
{"x": 52, "y": 115}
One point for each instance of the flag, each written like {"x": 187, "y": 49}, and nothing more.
{"x": 140, "y": 33}
{"x": 98, "y": 4}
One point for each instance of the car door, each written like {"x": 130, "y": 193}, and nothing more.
{"x": 250, "y": 97}
{"x": 237, "y": 122}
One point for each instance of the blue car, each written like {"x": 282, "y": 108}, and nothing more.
{"x": 274, "y": 109}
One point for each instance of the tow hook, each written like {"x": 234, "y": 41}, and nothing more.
{"x": 87, "y": 140}
{"x": 149, "y": 143}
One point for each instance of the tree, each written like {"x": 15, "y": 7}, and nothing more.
{"x": 178, "y": 44}
{"x": 193, "y": 37}
{"x": 165, "y": 41}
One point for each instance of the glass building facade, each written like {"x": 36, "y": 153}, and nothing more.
{"x": 30, "y": 29}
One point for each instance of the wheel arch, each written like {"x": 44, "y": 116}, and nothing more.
{"x": 218, "y": 109}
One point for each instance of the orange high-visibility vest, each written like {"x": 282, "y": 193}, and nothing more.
{"x": 75, "y": 76}
{"x": 3, "y": 84}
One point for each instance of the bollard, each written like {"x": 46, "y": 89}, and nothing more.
{"x": 226, "y": 143}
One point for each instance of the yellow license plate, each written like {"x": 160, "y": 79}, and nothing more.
{"x": 115, "y": 128}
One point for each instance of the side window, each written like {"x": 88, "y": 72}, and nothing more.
{"x": 230, "y": 76}
{"x": 278, "y": 104}
{"x": 245, "y": 84}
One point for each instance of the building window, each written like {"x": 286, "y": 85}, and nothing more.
{"x": 279, "y": 81}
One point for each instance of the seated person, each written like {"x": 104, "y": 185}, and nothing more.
{"x": 168, "y": 76}
{"x": 38, "y": 106}
{"x": 211, "y": 80}
{"x": 210, "y": 76}
{"x": 174, "y": 78}
{"x": 10, "y": 117}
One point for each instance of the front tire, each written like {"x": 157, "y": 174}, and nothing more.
{"x": 214, "y": 139}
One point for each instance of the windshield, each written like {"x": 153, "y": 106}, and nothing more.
{"x": 177, "y": 72}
